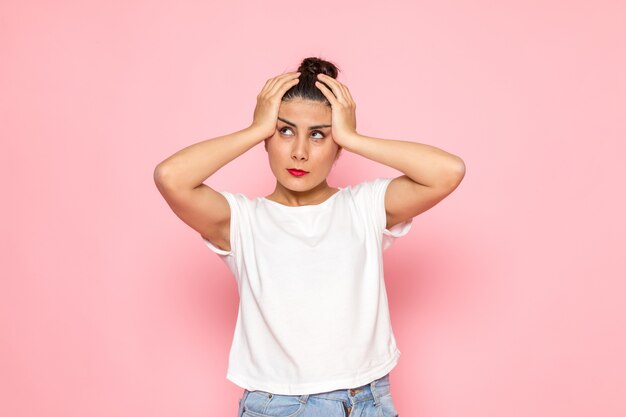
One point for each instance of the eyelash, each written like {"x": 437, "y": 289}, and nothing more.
{"x": 315, "y": 131}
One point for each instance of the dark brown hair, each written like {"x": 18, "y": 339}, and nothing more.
{"x": 306, "y": 89}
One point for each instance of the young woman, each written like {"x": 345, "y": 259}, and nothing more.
{"x": 313, "y": 335}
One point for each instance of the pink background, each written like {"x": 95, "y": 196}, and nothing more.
{"x": 506, "y": 298}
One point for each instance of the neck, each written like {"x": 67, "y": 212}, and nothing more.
{"x": 301, "y": 198}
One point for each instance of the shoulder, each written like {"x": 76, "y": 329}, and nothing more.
{"x": 370, "y": 188}
{"x": 238, "y": 197}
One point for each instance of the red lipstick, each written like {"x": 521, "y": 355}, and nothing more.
{"x": 296, "y": 172}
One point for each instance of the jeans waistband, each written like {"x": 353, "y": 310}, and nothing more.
{"x": 373, "y": 390}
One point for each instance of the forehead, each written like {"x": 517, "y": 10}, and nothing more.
{"x": 305, "y": 112}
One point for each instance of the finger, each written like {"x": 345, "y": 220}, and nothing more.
{"x": 348, "y": 96}
{"x": 281, "y": 87}
{"x": 265, "y": 88}
{"x": 272, "y": 82}
{"x": 327, "y": 93}
{"x": 334, "y": 85}
{"x": 344, "y": 93}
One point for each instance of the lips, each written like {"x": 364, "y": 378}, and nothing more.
{"x": 296, "y": 172}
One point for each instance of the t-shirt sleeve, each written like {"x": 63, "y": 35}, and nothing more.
{"x": 235, "y": 216}
{"x": 378, "y": 190}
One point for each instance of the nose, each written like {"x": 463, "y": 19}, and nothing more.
{"x": 300, "y": 149}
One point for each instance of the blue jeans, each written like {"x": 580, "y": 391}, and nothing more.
{"x": 369, "y": 400}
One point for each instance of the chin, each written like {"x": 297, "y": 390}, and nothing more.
{"x": 298, "y": 184}
{"x": 298, "y": 187}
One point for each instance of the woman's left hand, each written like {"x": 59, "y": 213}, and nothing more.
{"x": 343, "y": 109}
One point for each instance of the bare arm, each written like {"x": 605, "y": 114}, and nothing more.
{"x": 191, "y": 166}
{"x": 430, "y": 173}
{"x": 180, "y": 178}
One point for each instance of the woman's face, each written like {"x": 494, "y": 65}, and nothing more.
{"x": 302, "y": 141}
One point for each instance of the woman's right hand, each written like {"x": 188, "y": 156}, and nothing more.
{"x": 268, "y": 102}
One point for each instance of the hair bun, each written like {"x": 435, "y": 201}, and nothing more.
{"x": 314, "y": 66}
{"x": 306, "y": 88}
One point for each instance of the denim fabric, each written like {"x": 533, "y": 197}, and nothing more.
{"x": 369, "y": 400}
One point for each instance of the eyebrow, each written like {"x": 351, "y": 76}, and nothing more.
{"x": 294, "y": 125}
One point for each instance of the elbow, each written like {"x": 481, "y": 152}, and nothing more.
{"x": 161, "y": 176}
{"x": 459, "y": 171}
{"x": 455, "y": 173}
{"x": 158, "y": 174}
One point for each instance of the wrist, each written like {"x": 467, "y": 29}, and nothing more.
{"x": 260, "y": 132}
{"x": 349, "y": 141}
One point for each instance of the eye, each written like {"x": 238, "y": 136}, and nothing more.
{"x": 317, "y": 132}
{"x": 283, "y": 130}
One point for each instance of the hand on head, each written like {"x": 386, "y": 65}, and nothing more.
{"x": 343, "y": 108}
{"x": 269, "y": 99}
{"x": 314, "y": 81}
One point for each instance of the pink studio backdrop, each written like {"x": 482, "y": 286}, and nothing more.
{"x": 506, "y": 299}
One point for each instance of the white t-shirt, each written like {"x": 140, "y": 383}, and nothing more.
{"x": 313, "y": 314}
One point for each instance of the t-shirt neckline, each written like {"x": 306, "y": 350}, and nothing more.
{"x": 308, "y": 206}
